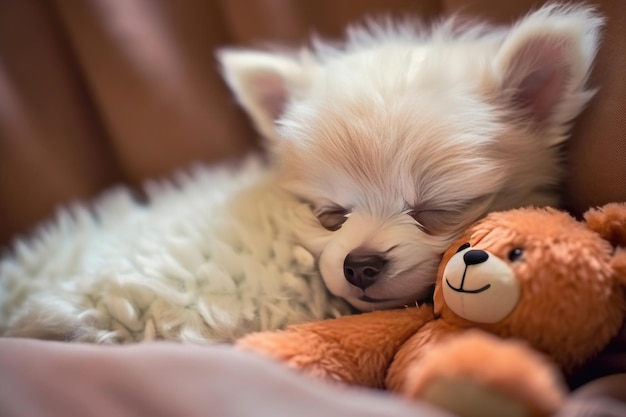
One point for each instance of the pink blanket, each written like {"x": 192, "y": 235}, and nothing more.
{"x": 53, "y": 379}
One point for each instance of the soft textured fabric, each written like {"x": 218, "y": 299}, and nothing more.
{"x": 208, "y": 257}
{"x": 49, "y": 379}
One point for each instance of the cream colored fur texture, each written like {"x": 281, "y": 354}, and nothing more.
{"x": 382, "y": 150}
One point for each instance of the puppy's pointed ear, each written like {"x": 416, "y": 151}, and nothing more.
{"x": 263, "y": 83}
{"x": 545, "y": 60}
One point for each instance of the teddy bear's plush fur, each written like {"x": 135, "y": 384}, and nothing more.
{"x": 558, "y": 298}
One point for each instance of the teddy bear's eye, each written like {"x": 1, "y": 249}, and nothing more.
{"x": 463, "y": 247}
{"x": 515, "y": 254}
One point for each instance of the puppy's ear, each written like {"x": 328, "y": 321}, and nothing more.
{"x": 545, "y": 60}
{"x": 263, "y": 83}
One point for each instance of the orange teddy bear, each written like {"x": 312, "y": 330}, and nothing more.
{"x": 521, "y": 293}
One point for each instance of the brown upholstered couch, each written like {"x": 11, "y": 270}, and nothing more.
{"x": 99, "y": 92}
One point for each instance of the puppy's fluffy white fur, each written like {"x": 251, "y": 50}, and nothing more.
{"x": 413, "y": 133}
{"x": 383, "y": 149}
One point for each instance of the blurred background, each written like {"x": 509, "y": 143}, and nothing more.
{"x": 101, "y": 92}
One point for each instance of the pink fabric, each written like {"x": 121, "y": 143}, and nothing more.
{"x": 53, "y": 379}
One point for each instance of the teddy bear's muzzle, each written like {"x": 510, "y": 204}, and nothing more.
{"x": 480, "y": 287}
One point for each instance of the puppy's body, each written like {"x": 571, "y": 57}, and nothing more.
{"x": 211, "y": 256}
{"x": 395, "y": 141}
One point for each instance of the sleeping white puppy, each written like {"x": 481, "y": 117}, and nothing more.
{"x": 402, "y": 137}
{"x": 382, "y": 150}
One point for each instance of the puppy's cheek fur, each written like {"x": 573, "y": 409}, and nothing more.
{"x": 358, "y": 232}
{"x": 331, "y": 268}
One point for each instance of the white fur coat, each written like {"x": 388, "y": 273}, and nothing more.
{"x": 209, "y": 257}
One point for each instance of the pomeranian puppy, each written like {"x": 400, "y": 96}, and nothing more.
{"x": 403, "y": 136}
{"x": 382, "y": 150}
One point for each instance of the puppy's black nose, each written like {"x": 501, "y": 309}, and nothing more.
{"x": 361, "y": 270}
{"x": 475, "y": 257}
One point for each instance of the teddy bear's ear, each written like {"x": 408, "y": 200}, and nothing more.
{"x": 609, "y": 221}
{"x": 619, "y": 265}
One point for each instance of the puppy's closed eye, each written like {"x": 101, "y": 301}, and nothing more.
{"x": 332, "y": 217}
{"x": 455, "y": 216}
{"x": 434, "y": 221}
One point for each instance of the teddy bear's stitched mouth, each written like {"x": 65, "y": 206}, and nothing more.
{"x": 462, "y": 290}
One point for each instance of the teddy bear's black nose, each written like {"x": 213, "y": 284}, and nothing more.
{"x": 362, "y": 270}
{"x": 475, "y": 257}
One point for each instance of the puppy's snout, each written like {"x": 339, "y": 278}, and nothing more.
{"x": 475, "y": 257}
{"x": 362, "y": 270}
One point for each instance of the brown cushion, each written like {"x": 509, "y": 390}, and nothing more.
{"x": 99, "y": 92}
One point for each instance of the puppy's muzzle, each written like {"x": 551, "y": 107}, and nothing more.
{"x": 362, "y": 270}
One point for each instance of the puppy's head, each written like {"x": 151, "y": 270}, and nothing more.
{"x": 402, "y": 137}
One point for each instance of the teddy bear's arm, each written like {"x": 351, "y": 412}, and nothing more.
{"x": 354, "y": 349}
{"x": 474, "y": 373}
